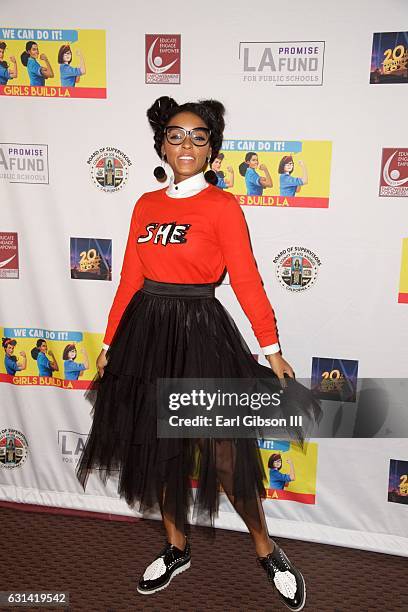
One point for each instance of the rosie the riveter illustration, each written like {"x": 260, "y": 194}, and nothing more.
{"x": 45, "y": 366}
{"x": 291, "y": 185}
{"x": 255, "y": 183}
{"x": 36, "y": 72}
{"x": 72, "y": 369}
{"x": 11, "y": 362}
{"x": 69, "y": 74}
{"x": 276, "y": 478}
{"x": 6, "y": 71}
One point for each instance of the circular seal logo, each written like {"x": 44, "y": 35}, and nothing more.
{"x": 13, "y": 448}
{"x": 109, "y": 169}
{"x": 296, "y": 268}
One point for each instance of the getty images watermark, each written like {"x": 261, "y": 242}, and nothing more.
{"x": 270, "y": 408}
{"x": 230, "y": 408}
{"x": 207, "y": 401}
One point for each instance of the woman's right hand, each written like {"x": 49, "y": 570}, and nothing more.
{"x": 101, "y": 362}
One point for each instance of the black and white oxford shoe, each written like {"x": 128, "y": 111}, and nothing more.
{"x": 170, "y": 562}
{"x": 287, "y": 580}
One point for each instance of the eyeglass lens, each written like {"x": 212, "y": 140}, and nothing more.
{"x": 198, "y": 136}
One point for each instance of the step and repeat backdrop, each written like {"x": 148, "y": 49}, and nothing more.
{"x": 315, "y": 97}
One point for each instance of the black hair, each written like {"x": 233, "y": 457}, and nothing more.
{"x": 3, "y": 63}
{"x": 36, "y": 349}
{"x": 210, "y": 111}
{"x": 244, "y": 166}
{"x": 25, "y": 55}
{"x": 6, "y": 341}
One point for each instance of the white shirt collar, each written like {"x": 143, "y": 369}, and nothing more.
{"x": 188, "y": 187}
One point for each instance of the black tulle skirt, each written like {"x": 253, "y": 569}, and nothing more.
{"x": 176, "y": 331}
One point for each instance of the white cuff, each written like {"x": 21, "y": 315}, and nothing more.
{"x": 105, "y": 346}
{"x": 272, "y": 348}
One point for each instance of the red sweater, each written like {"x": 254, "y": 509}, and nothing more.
{"x": 192, "y": 240}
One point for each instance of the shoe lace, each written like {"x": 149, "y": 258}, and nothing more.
{"x": 166, "y": 548}
{"x": 170, "y": 552}
{"x": 272, "y": 568}
{"x": 274, "y": 565}
{"x": 285, "y": 563}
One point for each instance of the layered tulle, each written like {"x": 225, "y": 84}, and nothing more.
{"x": 163, "y": 336}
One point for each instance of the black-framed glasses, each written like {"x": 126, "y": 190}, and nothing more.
{"x": 176, "y": 135}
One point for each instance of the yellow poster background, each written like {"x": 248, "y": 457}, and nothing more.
{"x": 315, "y": 154}
{"x": 92, "y": 45}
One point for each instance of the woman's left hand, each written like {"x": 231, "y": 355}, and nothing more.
{"x": 280, "y": 366}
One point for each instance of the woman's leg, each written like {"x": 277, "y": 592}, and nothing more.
{"x": 174, "y": 535}
{"x": 251, "y": 511}
{"x": 171, "y": 515}
{"x": 174, "y": 557}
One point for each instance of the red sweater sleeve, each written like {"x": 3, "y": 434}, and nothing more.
{"x": 245, "y": 279}
{"x": 131, "y": 280}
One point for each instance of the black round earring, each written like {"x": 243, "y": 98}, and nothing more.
{"x": 160, "y": 173}
{"x": 210, "y": 176}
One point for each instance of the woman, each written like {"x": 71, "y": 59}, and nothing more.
{"x": 166, "y": 323}
{"x": 290, "y": 185}
{"x": 45, "y": 366}
{"x": 10, "y": 361}
{"x": 73, "y": 370}
{"x": 276, "y": 479}
{"x": 36, "y": 72}
{"x": 223, "y": 182}
{"x": 7, "y": 72}
{"x": 255, "y": 184}
{"x": 69, "y": 74}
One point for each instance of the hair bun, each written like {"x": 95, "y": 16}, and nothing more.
{"x": 214, "y": 106}
{"x": 159, "y": 112}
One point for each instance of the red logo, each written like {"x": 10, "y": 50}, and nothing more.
{"x": 163, "y": 58}
{"x": 8, "y": 255}
{"x": 394, "y": 173}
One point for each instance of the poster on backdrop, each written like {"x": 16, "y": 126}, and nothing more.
{"x": 290, "y": 473}
{"x": 48, "y": 358}
{"x": 403, "y": 283}
{"x": 334, "y": 379}
{"x": 24, "y": 163}
{"x": 163, "y": 57}
{"x": 398, "y": 481}
{"x": 9, "y": 266}
{"x": 282, "y": 63}
{"x": 389, "y": 58}
{"x": 275, "y": 172}
{"x": 91, "y": 258}
{"x": 394, "y": 173}
{"x": 53, "y": 63}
